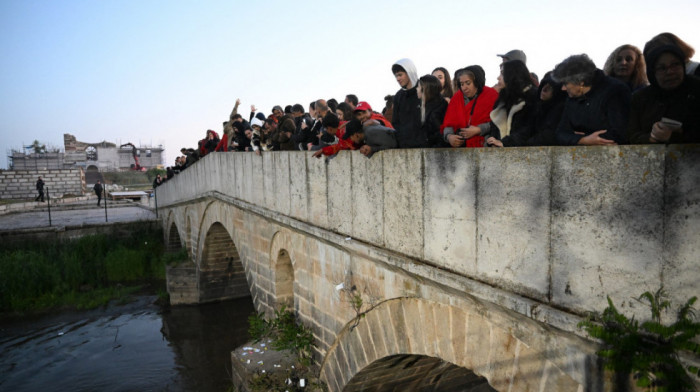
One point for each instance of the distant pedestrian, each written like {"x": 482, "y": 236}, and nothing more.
{"x": 98, "y": 191}
{"x": 40, "y": 189}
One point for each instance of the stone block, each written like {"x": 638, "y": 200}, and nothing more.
{"x": 458, "y": 335}
{"x": 318, "y": 190}
{"x": 528, "y": 370}
{"x": 478, "y": 345}
{"x": 298, "y": 192}
{"x": 502, "y": 358}
{"x": 513, "y": 218}
{"x": 607, "y": 217}
{"x": 282, "y": 179}
{"x": 403, "y": 201}
{"x": 450, "y": 209}
{"x": 269, "y": 178}
{"x": 340, "y": 204}
{"x": 681, "y": 223}
{"x": 367, "y": 198}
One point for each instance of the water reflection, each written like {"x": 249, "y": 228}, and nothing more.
{"x": 137, "y": 347}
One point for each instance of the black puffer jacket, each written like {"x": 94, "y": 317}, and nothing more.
{"x": 406, "y": 119}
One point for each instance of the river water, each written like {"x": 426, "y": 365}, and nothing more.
{"x": 134, "y": 347}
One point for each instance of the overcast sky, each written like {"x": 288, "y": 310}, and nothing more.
{"x": 163, "y": 72}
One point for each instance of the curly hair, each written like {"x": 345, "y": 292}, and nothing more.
{"x": 576, "y": 69}
{"x": 639, "y": 73}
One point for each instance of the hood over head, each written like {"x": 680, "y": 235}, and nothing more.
{"x": 410, "y": 69}
{"x": 479, "y": 77}
{"x": 652, "y": 56}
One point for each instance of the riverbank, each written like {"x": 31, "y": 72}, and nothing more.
{"x": 81, "y": 273}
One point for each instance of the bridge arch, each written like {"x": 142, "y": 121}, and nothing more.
{"x": 282, "y": 266}
{"x": 459, "y": 335}
{"x": 174, "y": 240}
{"x": 221, "y": 273}
{"x": 406, "y": 372}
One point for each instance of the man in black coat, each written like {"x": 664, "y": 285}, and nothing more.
{"x": 40, "y": 189}
{"x": 98, "y": 191}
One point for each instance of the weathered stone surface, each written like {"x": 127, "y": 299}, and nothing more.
{"x": 606, "y": 224}
{"x": 339, "y": 193}
{"x": 403, "y": 201}
{"x": 450, "y": 209}
{"x": 318, "y": 191}
{"x": 513, "y": 219}
{"x": 681, "y": 224}
{"x": 367, "y": 199}
{"x": 298, "y": 189}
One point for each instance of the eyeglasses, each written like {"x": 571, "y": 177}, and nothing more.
{"x": 673, "y": 67}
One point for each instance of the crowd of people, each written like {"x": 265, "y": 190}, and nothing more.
{"x": 639, "y": 97}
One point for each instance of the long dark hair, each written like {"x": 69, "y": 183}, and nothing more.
{"x": 446, "y": 91}
{"x": 430, "y": 85}
{"x": 516, "y": 77}
{"x": 347, "y": 111}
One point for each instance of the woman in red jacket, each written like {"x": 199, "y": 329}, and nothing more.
{"x": 469, "y": 107}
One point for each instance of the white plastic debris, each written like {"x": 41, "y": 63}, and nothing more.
{"x": 348, "y": 238}
{"x": 247, "y": 348}
{"x": 289, "y": 381}
{"x": 339, "y": 287}
{"x": 248, "y": 361}
{"x": 60, "y": 334}
{"x": 260, "y": 362}
{"x": 262, "y": 344}
{"x": 263, "y": 371}
{"x": 302, "y": 383}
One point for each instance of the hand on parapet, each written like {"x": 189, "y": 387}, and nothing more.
{"x": 317, "y": 154}
{"x": 594, "y": 139}
{"x": 492, "y": 141}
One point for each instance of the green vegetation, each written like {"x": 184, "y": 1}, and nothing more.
{"x": 127, "y": 178}
{"x": 153, "y": 172}
{"x": 82, "y": 273}
{"x": 649, "y": 351}
{"x": 285, "y": 333}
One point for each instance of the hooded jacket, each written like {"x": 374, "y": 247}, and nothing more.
{"x": 406, "y": 110}
{"x": 207, "y": 145}
{"x": 547, "y": 114}
{"x": 461, "y": 114}
{"x": 652, "y": 103}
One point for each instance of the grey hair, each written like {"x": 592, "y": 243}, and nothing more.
{"x": 577, "y": 69}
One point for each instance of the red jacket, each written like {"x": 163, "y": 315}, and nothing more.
{"x": 343, "y": 144}
{"x": 461, "y": 116}
{"x": 381, "y": 119}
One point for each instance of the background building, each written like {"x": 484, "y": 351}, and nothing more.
{"x": 102, "y": 156}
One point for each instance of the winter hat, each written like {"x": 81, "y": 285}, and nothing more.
{"x": 256, "y": 121}
{"x": 277, "y": 107}
{"x": 653, "y": 56}
{"x": 259, "y": 116}
{"x": 479, "y": 77}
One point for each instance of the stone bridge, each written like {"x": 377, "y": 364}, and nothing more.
{"x": 480, "y": 259}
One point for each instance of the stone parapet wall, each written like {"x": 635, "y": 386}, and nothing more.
{"x": 21, "y": 184}
{"x": 562, "y": 226}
